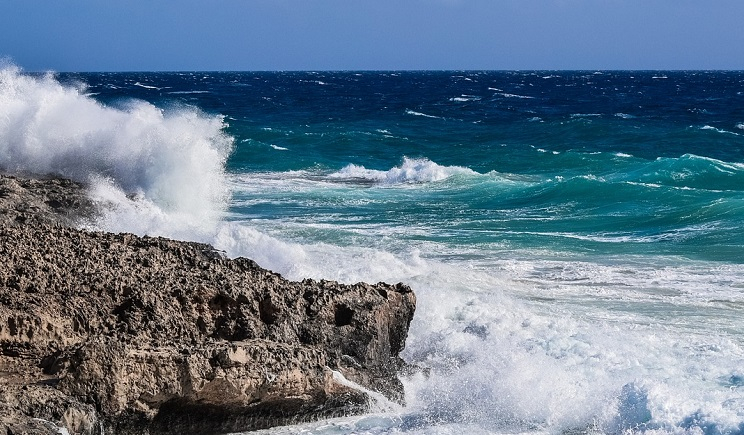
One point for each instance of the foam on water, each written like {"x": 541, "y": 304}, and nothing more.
{"x": 410, "y": 171}
{"x": 507, "y": 95}
{"x": 465, "y": 98}
{"x": 504, "y": 358}
{"x": 718, "y": 130}
{"x": 543, "y": 345}
{"x": 525, "y": 343}
{"x": 414, "y": 113}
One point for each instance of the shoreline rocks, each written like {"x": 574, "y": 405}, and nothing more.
{"x": 122, "y": 334}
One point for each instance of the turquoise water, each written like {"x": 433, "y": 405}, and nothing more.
{"x": 581, "y": 163}
{"x": 574, "y": 238}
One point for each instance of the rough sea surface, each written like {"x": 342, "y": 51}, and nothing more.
{"x": 575, "y": 238}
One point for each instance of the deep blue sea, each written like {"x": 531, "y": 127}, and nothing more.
{"x": 575, "y": 238}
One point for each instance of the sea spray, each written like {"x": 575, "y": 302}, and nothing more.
{"x": 174, "y": 159}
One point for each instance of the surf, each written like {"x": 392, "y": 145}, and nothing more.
{"x": 564, "y": 285}
{"x": 169, "y": 160}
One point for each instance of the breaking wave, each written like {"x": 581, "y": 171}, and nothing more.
{"x": 410, "y": 171}
{"x": 172, "y": 159}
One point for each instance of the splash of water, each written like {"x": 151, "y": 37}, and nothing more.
{"x": 173, "y": 160}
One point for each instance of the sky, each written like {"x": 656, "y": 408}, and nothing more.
{"x": 261, "y": 35}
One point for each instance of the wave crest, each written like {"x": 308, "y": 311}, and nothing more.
{"x": 174, "y": 158}
{"x": 410, "y": 171}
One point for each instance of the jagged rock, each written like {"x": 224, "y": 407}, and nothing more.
{"x": 126, "y": 334}
{"x": 49, "y": 199}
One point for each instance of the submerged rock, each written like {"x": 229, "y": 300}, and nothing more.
{"x": 126, "y": 334}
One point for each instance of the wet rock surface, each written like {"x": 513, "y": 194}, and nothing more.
{"x": 117, "y": 333}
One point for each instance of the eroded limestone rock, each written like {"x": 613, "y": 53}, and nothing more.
{"x": 130, "y": 334}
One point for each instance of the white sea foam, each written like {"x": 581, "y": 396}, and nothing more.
{"x": 278, "y": 148}
{"x": 585, "y": 115}
{"x": 412, "y": 112}
{"x": 508, "y": 95}
{"x": 173, "y": 159}
{"x": 465, "y": 98}
{"x": 718, "y": 130}
{"x": 676, "y": 235}
{"x": 529, "y": 344}
{"x": 146, "y": 86}
{"x": 187, "y": 92}
{"x": 542, "y": 150}
{"x": 532, "y": 345}
{"x": 720, "y": 165}
{"x": 410, "y": 171}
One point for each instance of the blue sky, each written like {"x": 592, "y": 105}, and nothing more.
{"x": 118, "y": 35}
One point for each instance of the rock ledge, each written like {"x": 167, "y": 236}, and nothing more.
{"x": 123, "y": 334}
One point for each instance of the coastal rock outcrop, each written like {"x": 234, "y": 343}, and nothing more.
{"x": 117, "y": 333}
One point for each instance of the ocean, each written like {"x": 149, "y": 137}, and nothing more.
{"x": 575, "y": 238}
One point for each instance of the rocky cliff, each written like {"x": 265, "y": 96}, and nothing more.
{"x": 122, "y": 334}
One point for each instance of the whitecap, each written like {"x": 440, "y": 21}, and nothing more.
{"x": 542, "y": 150}
{"x": 464, "y": 98}
{"x": 411, "y": 112}
{"x": 187, "y": 92}
{"x": 146, "y": 86}
{"x": 410, "y": 171}
{"x": 718, "y": 130}
{"x": 507, "y": 95}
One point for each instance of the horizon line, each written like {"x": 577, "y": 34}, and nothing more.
{"x": 671, "y": 70}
